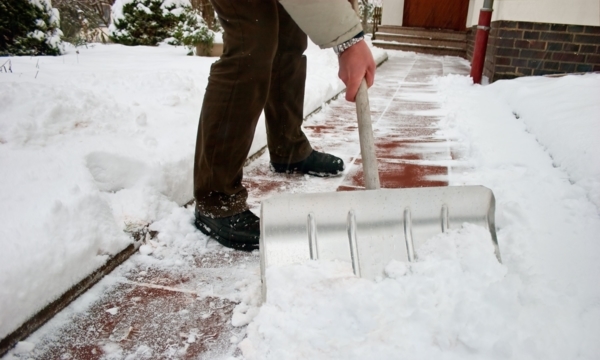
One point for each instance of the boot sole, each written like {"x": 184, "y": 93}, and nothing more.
{"x": 312, "y": 173}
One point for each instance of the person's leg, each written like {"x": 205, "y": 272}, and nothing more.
{"x": 285, "y": 103}
{"x": 289, "y": 148}
{"x": 235, "y": 96}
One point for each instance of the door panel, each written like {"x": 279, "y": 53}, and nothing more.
{"x": 436, "y": 14}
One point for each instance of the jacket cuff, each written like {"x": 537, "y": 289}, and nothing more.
{"x": 326, "y": 22}
{"x": 346, "y": 36}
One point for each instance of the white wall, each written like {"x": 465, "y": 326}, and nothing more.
{"x": 576, "y": 12}
{"x": 393, "y": 12}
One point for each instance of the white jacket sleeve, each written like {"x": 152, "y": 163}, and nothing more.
{"x": 326, "y": 22}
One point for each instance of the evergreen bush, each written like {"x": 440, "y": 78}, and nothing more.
{"x": 150, "y": 22}
{"x": 29, "y": 27}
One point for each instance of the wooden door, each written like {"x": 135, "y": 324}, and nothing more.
{"x": 436, "y": 14}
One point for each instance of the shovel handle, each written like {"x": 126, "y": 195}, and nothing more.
{"x": 365, "y": 134}
{"x": 365, "y": 131}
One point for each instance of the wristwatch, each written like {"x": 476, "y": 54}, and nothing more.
{"x": 339, "y": 49}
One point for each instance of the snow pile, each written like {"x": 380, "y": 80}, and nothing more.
{"x": 83, "y": 160}
{"x": 568, "y": 127}
{"x": 177, "y": 241}
{"x": 542, "y": 214}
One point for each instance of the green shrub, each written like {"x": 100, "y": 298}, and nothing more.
{"x": 192, "y": 31}
{"x": 150, "y": 22}
{"x": 29, "y": 27}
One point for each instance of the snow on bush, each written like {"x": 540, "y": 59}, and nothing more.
{"x": 29, "y": 27}
{"x": 150, "y": 22}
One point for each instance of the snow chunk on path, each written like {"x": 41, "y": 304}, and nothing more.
{"x": 455, "y": 302}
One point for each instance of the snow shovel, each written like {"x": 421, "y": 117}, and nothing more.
{"x": 366, "y": 229}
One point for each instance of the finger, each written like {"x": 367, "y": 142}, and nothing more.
{"x": 352, "y": 89}
{"x": 370, "y": 77}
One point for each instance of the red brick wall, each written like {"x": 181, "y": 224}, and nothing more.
{"x": 471, "y": 42}
{"x": 517, "y": 48}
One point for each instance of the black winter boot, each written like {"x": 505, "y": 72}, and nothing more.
{"x": 240, "y": 231}
{"x": 317, "y": 164}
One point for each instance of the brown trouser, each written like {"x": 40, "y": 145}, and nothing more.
{"x": 262, "y": 68}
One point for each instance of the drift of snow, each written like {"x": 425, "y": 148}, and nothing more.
{"x": 568, "y": 128}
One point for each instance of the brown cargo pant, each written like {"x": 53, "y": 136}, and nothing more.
{"x": 262, "y": 67}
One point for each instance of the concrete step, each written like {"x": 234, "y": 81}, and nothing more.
{"x": 422, "y": 40}
{"x": 421, "y": 32}
{"x": 423, "y": 49}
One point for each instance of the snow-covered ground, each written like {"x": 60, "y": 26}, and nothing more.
{"x": 95, "y": 142}
{"x": 534, "y": 142}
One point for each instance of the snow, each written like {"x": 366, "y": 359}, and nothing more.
{"x": 101, "y": 140}
{"x": 94, "y": 143}
{"x": 544, "y": 212}
{"x": 561, "y": 126}
{"x": 533, "y": 141}
{"x": 446, "y": 291}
